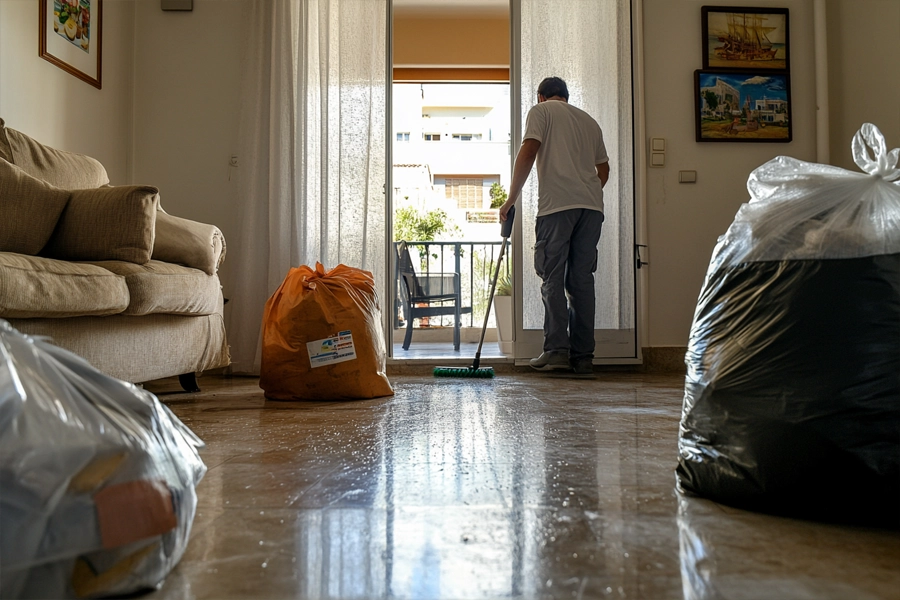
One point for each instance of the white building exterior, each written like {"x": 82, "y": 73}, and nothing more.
{"x": 771, "y": 110}
{"x": 729, "y": 99}
{"x": 451, "y": 142}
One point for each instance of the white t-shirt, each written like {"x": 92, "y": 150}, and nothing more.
{"x": 571, "y": 147}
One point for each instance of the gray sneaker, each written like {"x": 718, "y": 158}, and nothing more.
{"x": 551, "y": 361}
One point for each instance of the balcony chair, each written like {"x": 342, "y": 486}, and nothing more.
{"x": 429, "y": 295}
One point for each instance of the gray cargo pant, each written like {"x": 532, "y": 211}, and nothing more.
{"x": 565, "y": 258}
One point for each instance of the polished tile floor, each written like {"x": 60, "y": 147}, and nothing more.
{"x": 521, "y": 486}
{"x": 444, "y": 350}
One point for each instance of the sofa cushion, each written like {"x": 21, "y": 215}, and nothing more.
{"x": 164, "y": 288}
{"x": 29, "y": 210}
{"x": 31, "y": 286}
{"x": 63, "y": 169}
{"x": 107, "y": 223}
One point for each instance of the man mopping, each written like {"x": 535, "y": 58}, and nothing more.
{"x": 572, "y": 169}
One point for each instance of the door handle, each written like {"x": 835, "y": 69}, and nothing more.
{"x": 638, "y": 262}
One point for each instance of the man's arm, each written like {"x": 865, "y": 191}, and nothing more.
{"x": 603, "y": 173}
{"x": 521, "y": 170}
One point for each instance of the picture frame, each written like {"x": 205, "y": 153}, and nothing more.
{"x": 752, "y": 39}
{"x": 732, "y": 105}
{"x": 70, "y": 37}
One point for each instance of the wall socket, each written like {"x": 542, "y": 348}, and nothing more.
{"x": 176, "y": 4}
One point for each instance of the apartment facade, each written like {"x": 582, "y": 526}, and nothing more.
{"x": 451, "y": 144}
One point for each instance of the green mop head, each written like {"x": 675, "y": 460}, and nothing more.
{"x": 484, "y": 372}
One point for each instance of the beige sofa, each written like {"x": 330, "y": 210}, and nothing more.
{"x": 103, "y": 270}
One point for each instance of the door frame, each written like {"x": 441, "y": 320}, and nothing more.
{"x": 639, "y": 165}
{"x": 390, "y": 287}
{"x": 639, "y": 174}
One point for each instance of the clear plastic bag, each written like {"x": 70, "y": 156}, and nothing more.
{"x": 97, "y": 477}
{"x": 792, "y": 395}
{"x": 807, "y": 211}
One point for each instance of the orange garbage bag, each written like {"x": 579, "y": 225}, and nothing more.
{"x": 322, "y": 337}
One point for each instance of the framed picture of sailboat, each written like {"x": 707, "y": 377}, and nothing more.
{"x": 753, "y": 39}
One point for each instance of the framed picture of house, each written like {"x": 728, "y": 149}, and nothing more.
{"x": 754, "y": 39}
{"x": 742, "y": 106}
{"x": 69, "y": 36}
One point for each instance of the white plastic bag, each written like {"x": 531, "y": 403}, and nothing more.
{"x": 97, "y": 477}
{"x": 808, "y": 211}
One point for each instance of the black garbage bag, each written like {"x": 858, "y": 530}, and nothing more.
{"x": 792, "y": 395}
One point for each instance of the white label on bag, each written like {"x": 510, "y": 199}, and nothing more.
{"x": 334, "y": 349}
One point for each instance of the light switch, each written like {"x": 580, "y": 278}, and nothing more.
{"x": 687, "y": 176}
{"x": 657, "y": 159}
{"x": 657, "y": 144}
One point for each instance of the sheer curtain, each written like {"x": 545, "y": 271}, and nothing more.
{"x": 312, "y": 148}
{"x": 588, "y": 44}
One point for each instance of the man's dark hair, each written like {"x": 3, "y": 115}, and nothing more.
{"x": 553, "y": 86}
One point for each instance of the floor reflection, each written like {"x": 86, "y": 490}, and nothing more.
{"x": 457, "y": 483}
{"x": 342, "y": 553}
{"x": 488, "y": 490}
{"x": 697, "y": 566}
{"x": 518, "y": 487}
{"x": 730, "y": 553}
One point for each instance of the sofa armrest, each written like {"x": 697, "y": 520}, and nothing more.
{"x": 188, "y": 243}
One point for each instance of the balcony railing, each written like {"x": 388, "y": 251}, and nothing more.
{"x": 474, "y": 261}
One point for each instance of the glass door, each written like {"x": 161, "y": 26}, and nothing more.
{"x": 588, "y": 44}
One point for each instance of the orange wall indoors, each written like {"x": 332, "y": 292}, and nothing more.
{"x": 446, "y": 45}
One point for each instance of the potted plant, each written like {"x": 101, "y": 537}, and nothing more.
{"x": 503, "y": 312}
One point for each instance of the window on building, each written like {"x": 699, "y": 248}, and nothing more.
{"x": 432, "y": 137}
{"x": 402, "y": 136}
{"x": 468, "y": 192}
{"x": 466, "y": 137}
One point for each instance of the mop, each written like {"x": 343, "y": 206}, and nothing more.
{"x": 474, "y": 370}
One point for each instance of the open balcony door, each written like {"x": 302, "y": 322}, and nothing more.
{"x": 589, "y": 44}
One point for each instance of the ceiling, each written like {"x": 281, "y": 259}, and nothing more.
{"x": 451, "y": 7}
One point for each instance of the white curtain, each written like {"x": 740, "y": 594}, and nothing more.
{"x": 588, "y": 44}
{"x": 312, "y": 148}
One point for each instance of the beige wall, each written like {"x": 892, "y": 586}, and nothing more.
{"x": 45, "y": 102}
{"x": 451, "y": 41}
{"x": 684, "y": 220}
{"x": 187, "y": 108}
{"x": 864, "y": 72}
{"x": 168, "y": 114}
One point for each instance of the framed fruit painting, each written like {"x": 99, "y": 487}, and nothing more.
{"x": 70, "y": 37}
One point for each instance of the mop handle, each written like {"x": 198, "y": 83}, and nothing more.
{"x": 505, "y": 232}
